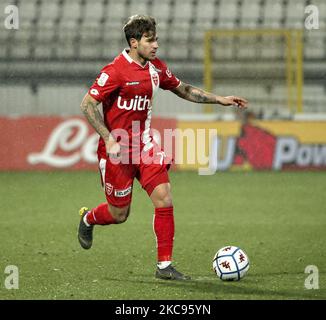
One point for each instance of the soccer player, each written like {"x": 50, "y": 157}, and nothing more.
{"x": 126, "y": 88}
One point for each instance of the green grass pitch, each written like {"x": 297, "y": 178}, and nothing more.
{"x": 279, "y": 219}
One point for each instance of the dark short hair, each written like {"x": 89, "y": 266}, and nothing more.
{"x": 138, "y": 25}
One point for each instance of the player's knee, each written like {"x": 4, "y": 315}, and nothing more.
{"x": 164, "y": 201}
{"x": 120, "y": 218}
{"x": 120, "y": 215}
{"x": 161, "y": 196}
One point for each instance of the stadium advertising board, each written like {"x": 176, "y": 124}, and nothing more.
{"x": 47, "y": 143}
{"x": 259, "y": 145}
{"x": 69, "y": 143}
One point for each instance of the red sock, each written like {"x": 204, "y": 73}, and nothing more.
{"x": 164, "y": 231}
{"x": 100, "y": 215}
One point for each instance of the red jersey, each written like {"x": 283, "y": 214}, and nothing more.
{"x": 126, "y": 90}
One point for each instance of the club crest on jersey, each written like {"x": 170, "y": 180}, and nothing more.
{"x": 108, "y": 188}
{"x": 102, "y": 79}
{"x": 155, "y": 79}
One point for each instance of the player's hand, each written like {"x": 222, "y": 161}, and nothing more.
{"x": 241, "y": 103}
{"x": 113, "y": 149}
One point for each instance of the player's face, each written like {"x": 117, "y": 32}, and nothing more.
{"x": 147, "y": 46}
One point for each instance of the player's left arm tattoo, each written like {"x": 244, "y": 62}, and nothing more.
{"x": 194, "y": 94}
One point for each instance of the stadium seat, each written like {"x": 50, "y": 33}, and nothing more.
{"x": 163, "y": 32}
{"x": 314, "y": 47}
{"x": 116, "y": 11}
{"x": 314, "y": 99}
{"x": 178, "y": 51}
{"x": 197, "y": 52}
{"x": 197, "y": 34}
{"x": 113, "y": 49}
{"x": 3, "y": 52}
{"x": 49, "y": 11}
{"x": 272, "y": 47}
{"x": 182, "y": 13}
{"x": 43, "y": 51}
{"x": 227, "y": 14}
{"x": 180, "y": 33}
{"x": 71, "y": 9}
{"x": 66, "y": 33}
{"x": 161, "y": 10}
{"x": 90, "y": 37}
{"x": 93, "y": 12}
{"x": 27, "y": 10}
{"x": 138, "y": 7}
{"x": 294, "y": 17}
{"x": 272, "y": 14}
{"x": 279, "y": 92}
{"x": 112, "y": 31}
{"x": 223, "y": 48}
{"x": 205, "y": 11}
{"x": 313, "y": 91}
{"x": 65, "y": 51}
{"x": 88, "y": 51}
{"x": 45, "y": 34}
{"x": 20, "y": 50}
{"x": 250, "y": 11}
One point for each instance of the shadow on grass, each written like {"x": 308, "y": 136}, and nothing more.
{"x": 246, "y": 289}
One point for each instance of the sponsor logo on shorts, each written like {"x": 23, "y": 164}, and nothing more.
{"x": 122, "y": 193}
{"x": 168, "y": 73}
{"x": 133, "y": 83}
{"x": 108, "y": 188}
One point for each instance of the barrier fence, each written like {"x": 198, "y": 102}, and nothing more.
{"x": 69, "y": 143}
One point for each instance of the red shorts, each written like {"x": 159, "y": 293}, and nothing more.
{"x": 117, "y": 179}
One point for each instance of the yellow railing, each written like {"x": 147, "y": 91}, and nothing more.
{"x": 293, "y": 53}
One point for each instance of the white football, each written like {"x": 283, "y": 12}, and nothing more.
{"x": 231, "y": 263}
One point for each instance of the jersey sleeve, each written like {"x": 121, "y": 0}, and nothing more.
{"x": 106, "y": 83}
{"x": 168, "y": 80}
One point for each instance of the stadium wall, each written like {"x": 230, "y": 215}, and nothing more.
{"x": 69, "y": 143}
{"x": 64, "y": 100}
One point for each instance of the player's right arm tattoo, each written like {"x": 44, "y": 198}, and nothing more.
{"x": 194, "y": 94}
{"x": 94, "y": 117}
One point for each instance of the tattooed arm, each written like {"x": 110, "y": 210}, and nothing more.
{"x": 89, "y": 107}
{"x": 194, "y": 94}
